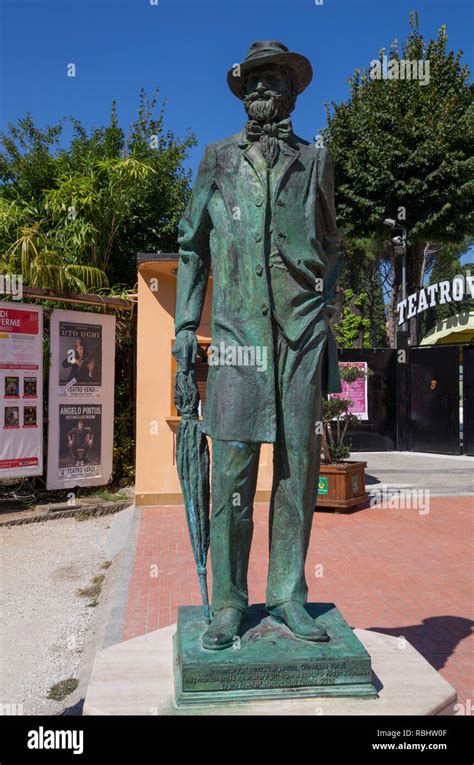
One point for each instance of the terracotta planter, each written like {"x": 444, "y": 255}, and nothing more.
{"x": 341, "y": 485}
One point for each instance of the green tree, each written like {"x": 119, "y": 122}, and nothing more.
{"x": 353, "y": 329}
{"x": 29, "y": 245}
{"x": 75, "y": 217}
{"x": 29, "y": 160}
{"x": 361, "y": 274}
{"x": 403, "y": 149}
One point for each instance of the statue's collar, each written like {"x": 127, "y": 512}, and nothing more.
{"x": 287, "y": 148}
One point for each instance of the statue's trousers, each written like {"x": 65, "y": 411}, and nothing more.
{"x": 296, "y": 460}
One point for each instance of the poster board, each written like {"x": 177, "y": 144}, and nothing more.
{"x": 81, "y": 399}
{"x": 357, "y": 391}
{"x": 21, "y": 390}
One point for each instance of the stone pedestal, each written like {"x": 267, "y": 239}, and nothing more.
{"x": 136, "y": 678}
{"x": 268, "y": 662}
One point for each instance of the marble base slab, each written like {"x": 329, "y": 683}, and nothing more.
{"x": 135, "y": 677}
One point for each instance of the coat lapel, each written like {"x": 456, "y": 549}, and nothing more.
{"x": 288, "y": 156}
{"x": 256, "y": 163}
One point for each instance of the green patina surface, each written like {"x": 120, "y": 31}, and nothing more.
{"x": 262, "y": 218}
{"x": 268, "y": 662}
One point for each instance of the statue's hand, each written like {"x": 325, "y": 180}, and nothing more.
{"x": 186, "y": 391}
{"x": 185, "y": 349}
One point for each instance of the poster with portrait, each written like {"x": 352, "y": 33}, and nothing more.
{"x": 21, "y": 390}
{"x": 81, "y": 399}
{"x": 80, "y": 432}
{"x": 80, "y": 352}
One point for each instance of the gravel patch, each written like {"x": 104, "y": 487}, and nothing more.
{"x": 43, "y": 620}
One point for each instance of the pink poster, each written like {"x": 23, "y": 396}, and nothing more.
{"x": 356, "y": 391}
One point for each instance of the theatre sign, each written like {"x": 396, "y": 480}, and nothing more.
{"x": 436, "y": 294}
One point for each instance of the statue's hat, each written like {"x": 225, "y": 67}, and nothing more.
{"x": 263, "y": 53}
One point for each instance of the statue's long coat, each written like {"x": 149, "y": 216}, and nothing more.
{"x": 223, "y": 228}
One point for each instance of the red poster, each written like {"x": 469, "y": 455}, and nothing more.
{"x": 19, "y": 321}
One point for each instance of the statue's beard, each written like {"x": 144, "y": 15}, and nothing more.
{"x": 266, "y": 107}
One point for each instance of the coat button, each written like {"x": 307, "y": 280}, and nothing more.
{"x": 259, "y": 269}
{"x": 258, "y": 237}
{"x": 259, "y": 201}
{"x": 264, "y": 309}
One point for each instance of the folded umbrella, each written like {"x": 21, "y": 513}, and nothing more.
{"x": 192, "y": 458}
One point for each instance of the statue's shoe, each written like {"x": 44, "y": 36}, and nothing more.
{"x": 296, "y": 617}
{"x": 223, "y": 629}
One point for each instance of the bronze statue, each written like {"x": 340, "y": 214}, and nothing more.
{"x": 262, "y": 216}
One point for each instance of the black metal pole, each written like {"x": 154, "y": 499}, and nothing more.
{"x": 403, "y": 393}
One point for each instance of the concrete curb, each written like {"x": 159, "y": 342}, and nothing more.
{"x": 105, "y": 626}
{"x": 116, "y": 618}
{"x": 92, "y": 510}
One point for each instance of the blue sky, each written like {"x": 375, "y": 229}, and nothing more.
{"x": 120, "y": 46}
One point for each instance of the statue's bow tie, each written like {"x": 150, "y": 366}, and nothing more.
{"x": 282, "y": 130}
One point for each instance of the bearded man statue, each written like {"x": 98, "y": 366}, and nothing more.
{"x": 262, "y": 217}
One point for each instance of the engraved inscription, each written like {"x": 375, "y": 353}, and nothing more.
{"x": 275, "y": 676}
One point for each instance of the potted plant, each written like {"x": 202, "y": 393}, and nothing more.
{"x": 341, "y": 481}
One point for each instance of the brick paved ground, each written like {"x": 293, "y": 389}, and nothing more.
{"x": 395, "y": 571}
